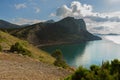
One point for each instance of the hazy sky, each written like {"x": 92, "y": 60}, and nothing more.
{"x": 105, "y": 13}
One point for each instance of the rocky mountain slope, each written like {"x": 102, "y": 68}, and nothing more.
{"x": 65, "y": 31}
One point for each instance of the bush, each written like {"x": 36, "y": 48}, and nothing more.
{"x": 106, "y": 71}
{"x": 0, "y": 48}
{"x": 60, "y": 63}
{"x": 59, "y": 59}
{"x": 20, "y": 49}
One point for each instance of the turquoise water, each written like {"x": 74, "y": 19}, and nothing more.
{"x": 85, "y": 54}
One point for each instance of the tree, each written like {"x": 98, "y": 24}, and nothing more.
{"x": 57, "y": 54}
{"x": 60, "y": 62}
{"x": 115, "y": 66}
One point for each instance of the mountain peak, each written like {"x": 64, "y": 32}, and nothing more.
{"x": 69, "y": 18}
{"x": 74, "y": 25}
{"x": 72, "y": 19}
{"x": 50, "y": 21}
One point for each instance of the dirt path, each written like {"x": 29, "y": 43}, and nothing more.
{"x": 17, "y": 67}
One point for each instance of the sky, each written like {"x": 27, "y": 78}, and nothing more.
{"x": 98, "y": 14}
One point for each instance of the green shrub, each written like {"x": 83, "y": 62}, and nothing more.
{"x": 20, "y": 49}
{"x": 60, "y": 62}
{"x": 0, "y": 48}
{"x": 57, "y": 54}
{"x": 106, "y": 71}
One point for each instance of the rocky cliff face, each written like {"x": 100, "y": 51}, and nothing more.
{"x": 67, "y": 30}
{"x": 74, "y": 25}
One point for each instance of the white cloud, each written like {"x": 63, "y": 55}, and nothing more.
{"x": 80, "y": 10}
{"x": 63, "y": 11}
{"x": 19, "y": 6}
{"x": 37, "y": 10}
{"x": 76, "y": 9}
{"x": 107, "y": 22}
{"x": 22, "y": 21}
{"x": 104, "y": 27}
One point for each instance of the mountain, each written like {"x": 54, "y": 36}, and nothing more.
{"x": 50, "y": 21}
{"x": 65, "y": 31}
{"x": 5, "y": 24}
{"x": 7, "y": 40}
{"x": 24, "y": 25}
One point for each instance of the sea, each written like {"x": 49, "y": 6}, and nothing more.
{"x": 89, "y": 53}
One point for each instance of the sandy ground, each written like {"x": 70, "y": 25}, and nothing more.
{"x": 17, "y": 67}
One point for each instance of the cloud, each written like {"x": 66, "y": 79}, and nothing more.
{"x": 80, "y": 10}
{"x": 22, "y": 21}
{"x": 37, "y": 10}
{"x": 104, "y": 27}
{"x": 63, "y": 11}
{"x": 76, "y": 9}
{"x": 105, "y": 22}
{"x": 20, "y": 6}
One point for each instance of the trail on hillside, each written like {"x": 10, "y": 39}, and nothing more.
{"x": 18, "y": 67}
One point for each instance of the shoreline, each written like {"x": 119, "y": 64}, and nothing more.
{"x": 62, "y": 43}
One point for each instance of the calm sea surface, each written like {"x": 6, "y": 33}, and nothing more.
{"x": 93, "y": 52}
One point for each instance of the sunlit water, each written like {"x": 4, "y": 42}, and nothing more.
{"x": 93, "y": 52}
{"x": 115, "y": 39}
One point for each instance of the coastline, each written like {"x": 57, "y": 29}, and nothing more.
{"x": 62, "y": 43}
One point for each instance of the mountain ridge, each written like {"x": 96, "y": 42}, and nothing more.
{"x": 66, "y": 31}
{"x": 6, "y": 24}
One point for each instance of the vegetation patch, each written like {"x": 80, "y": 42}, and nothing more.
{"x": 107, "y": 71}
{"x": 0, "y": 48}
{"x": 60, "y": 62}
{"x": 18, "y": 47}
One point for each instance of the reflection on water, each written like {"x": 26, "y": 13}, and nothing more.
{"x": 85, "y": 54}
{"x": 70, "y": 52}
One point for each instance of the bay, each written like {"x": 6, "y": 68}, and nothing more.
{"x": 88, "y": 53}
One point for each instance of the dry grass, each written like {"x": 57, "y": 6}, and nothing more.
{"x": 6, "y": 40}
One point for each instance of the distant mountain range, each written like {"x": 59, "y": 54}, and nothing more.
{"x": 65, "y": 31}
{"x": 5, "y": 24}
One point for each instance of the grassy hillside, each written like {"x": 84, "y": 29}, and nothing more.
{"x": 7, "y": 40}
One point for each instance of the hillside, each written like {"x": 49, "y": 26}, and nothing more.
{"x": 21, "y": 67}
{"x": 18, "y": 67}
{"x": 67, "y": 30}
{"x": 8, "y": 25}
{"x": 7, "y": 40}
